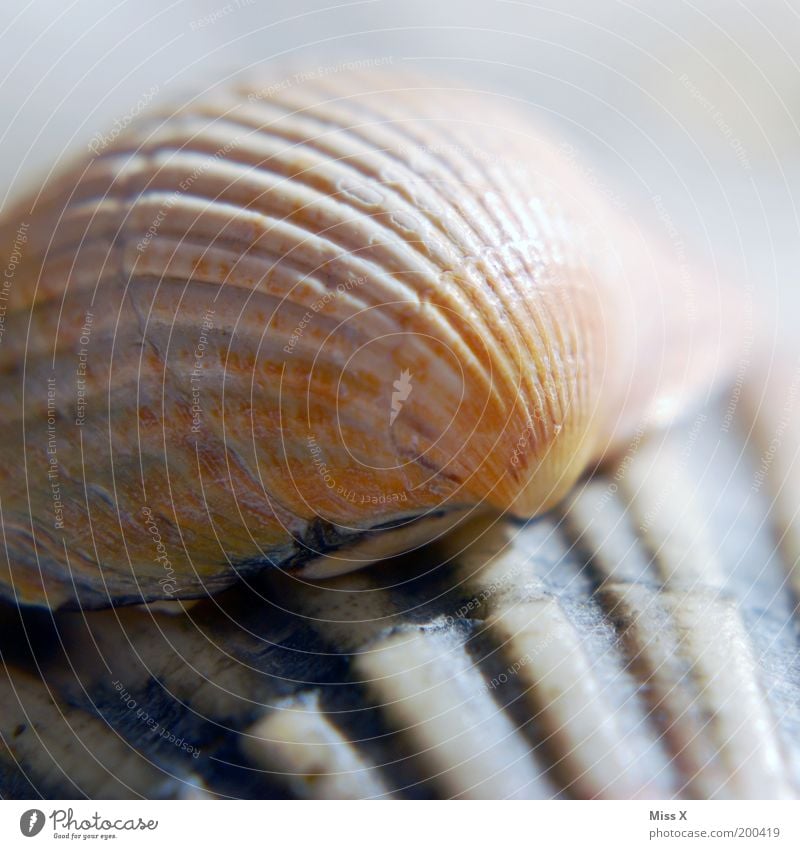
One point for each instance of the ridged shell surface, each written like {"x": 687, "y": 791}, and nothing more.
{"x": 262, "y": 326}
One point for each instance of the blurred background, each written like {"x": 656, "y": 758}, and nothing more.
{"x": 685, "y": 113}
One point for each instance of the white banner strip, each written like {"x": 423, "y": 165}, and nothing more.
{"x": 616, "y": 825}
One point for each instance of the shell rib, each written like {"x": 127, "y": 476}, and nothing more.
{"x": 274, "y": 325}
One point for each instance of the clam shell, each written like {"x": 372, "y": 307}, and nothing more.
{"x": 641, "y": 641}
{"x": 271, "y": 326}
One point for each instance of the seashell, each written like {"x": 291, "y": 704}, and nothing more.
{"x": 640, "y": 641}
{"x": 310, "y": 326}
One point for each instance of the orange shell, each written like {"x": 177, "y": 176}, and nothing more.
{"x": 252, "y": 329}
